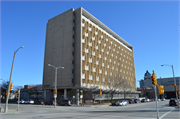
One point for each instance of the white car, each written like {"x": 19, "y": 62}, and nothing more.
{"x": 21, "y": 101}
{"x": 31, "y": 101}
{"x": 121, "y": 103}
{"x": 147, "y": 100}
{"x": 162, "y": 99}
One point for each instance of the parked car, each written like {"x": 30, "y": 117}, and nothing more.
{"x": 38, "y": 102}
{"x": 131, "y": 101}
{"x": 137, "y": 100}
{"x": 173, "y": 101}
{"x": 26, "y": 101}
{"x": 152, "y": 100}
{"x": 127, "y": 101}
{"x": 147, "y": 100}
{"x": 162, "y": 99}
{"x": 20, "y": 102}
{"x": 31, "y": 101}
{"x": 49, "y": 102}
{"x": 114, "y": 103}
{"x": 124, "y": 103}
{"x": 65, "y": 103}
{"x": 143, "y": 100}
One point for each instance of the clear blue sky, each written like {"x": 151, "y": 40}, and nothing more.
{"x": 152, "y": 28}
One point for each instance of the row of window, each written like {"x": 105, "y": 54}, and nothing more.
{"x": 103, "y": 79}
{"x": 110, "y": 60}
{"x": 91, "y": 44}
{"x": 100, "y": 70}
{"x": 102, "y": 50}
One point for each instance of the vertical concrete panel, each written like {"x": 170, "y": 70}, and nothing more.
{"x": 58, "y": 51}
{"x": 77, "y": 46}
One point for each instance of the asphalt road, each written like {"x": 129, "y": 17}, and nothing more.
{"x": 131, "y": 111}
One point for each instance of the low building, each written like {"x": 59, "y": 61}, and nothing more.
{"x": 168, "y": 83}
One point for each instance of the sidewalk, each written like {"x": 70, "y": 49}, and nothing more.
{"x": 10, "y": 111}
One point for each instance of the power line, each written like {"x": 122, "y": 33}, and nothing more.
{"x": 172, "y": 12}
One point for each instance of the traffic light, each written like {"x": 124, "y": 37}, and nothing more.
{"x": 100, "y": 92}
{"x": 11, "y": 87}
{"x": 7, "y": 92}
{"x": 82, "y": 93}
{"x": 55, "y": 91}
{"x": 161, "y": 89}
{"x": 154, "y": 79}
{"x": 17, "y": 95}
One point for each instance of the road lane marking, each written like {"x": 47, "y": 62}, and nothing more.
{"x": 166, "y": 113}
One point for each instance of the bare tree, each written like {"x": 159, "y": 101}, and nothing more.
{"x": 126, "y": 89}
{"x": 114, "y": 84}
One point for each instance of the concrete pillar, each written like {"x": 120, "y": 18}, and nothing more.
{"x": 65, "y": 94}
{"x": 77, "y": 97}
{"x": 44, "y": 94}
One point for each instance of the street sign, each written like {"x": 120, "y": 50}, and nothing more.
{"x": 55, "y": 95}
{"x": 73, "y": 96}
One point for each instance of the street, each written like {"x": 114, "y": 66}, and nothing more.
{"x": 131, "y": 111}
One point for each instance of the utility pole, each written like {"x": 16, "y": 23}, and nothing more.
{"x": 6, "y": 106}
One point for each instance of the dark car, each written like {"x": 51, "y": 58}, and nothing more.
{"x": 143, "y": 100}
{"x": 115, "y": 103}
{"x": 137, "y": 100}
{"x": 173, "y": 101}
{"x": 131, "y": 101}
{"x": 65, "y": 103}
{"x": 38, "y": 102}
{"x": 49, "y": 102}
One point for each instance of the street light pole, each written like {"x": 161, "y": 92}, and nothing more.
{"x": 174, "y": 81}
{"x": 55, "y": 85}
{"x": 6, "y": 106}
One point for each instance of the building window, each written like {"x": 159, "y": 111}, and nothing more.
{"x": 101, "y": 36}
{"x": 111, "y": 74}
{"x": 83, "y": 24}
{"x": 113, "y": 67}
{"x": 90, "y": 77}
{"x": 108, "y": 66}
{"x": 114, "y": 50}
{"x": 114, "y": 62}
{"x": 105, "y": 58}
{"x": 108, "y": 52}
{"x": 99, "y": 41}
{"x": 83, "y": 40}
{"x": 109, "y": 47}
{"x": 83, "y": 76}
{"x": 93, "y": 38}
{"x": 106, "y": 39}
{"x": 94, "y": 69}
{"x": 90, "y": 29}
{"x": 100, "y": 71}
{"x": 83, "y": 57}
{"x": 86, "y": 34}
{"x": 97, "y": 62}
{"x": 86, "y": 67}
{"x": 119, "y": 47}
{"x": 111, "y": 42}
{"x": 103, "y": 64}
{"x": 90, "y": 60}
{"x": 110, "y": 60}
{"x": 117, "y": 69}
{"x": 105, "y": 44}
{"x": 118, "y": 63}
{"x": 115, "y": 45}
{"x": 106, "y": 72}
{"x": 90, "y": 43}
{"x": 102, "y": 50}
{"x": 86, "y": 50}
{"x": 97, "y": 78}
{"x": 96, "y": 33}
{"x": 103, "y": 79}
{"x": 100, "y": 56}
{"x": 96, "y": 47}
{"x": 94, "y": 53}
{"x": 112, "y": 55}
{"x": 116, "y": 57}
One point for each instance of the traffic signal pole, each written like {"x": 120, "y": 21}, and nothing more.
{"x": 18, "y": 98}
{"x": 156, "y": 102}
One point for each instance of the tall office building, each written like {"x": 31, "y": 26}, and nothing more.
{"x": 88, "y": 50}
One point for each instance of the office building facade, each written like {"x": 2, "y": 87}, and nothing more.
{"x": 89, "y": 52}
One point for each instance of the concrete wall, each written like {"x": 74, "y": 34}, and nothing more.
{"x": 58, "y": 51}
